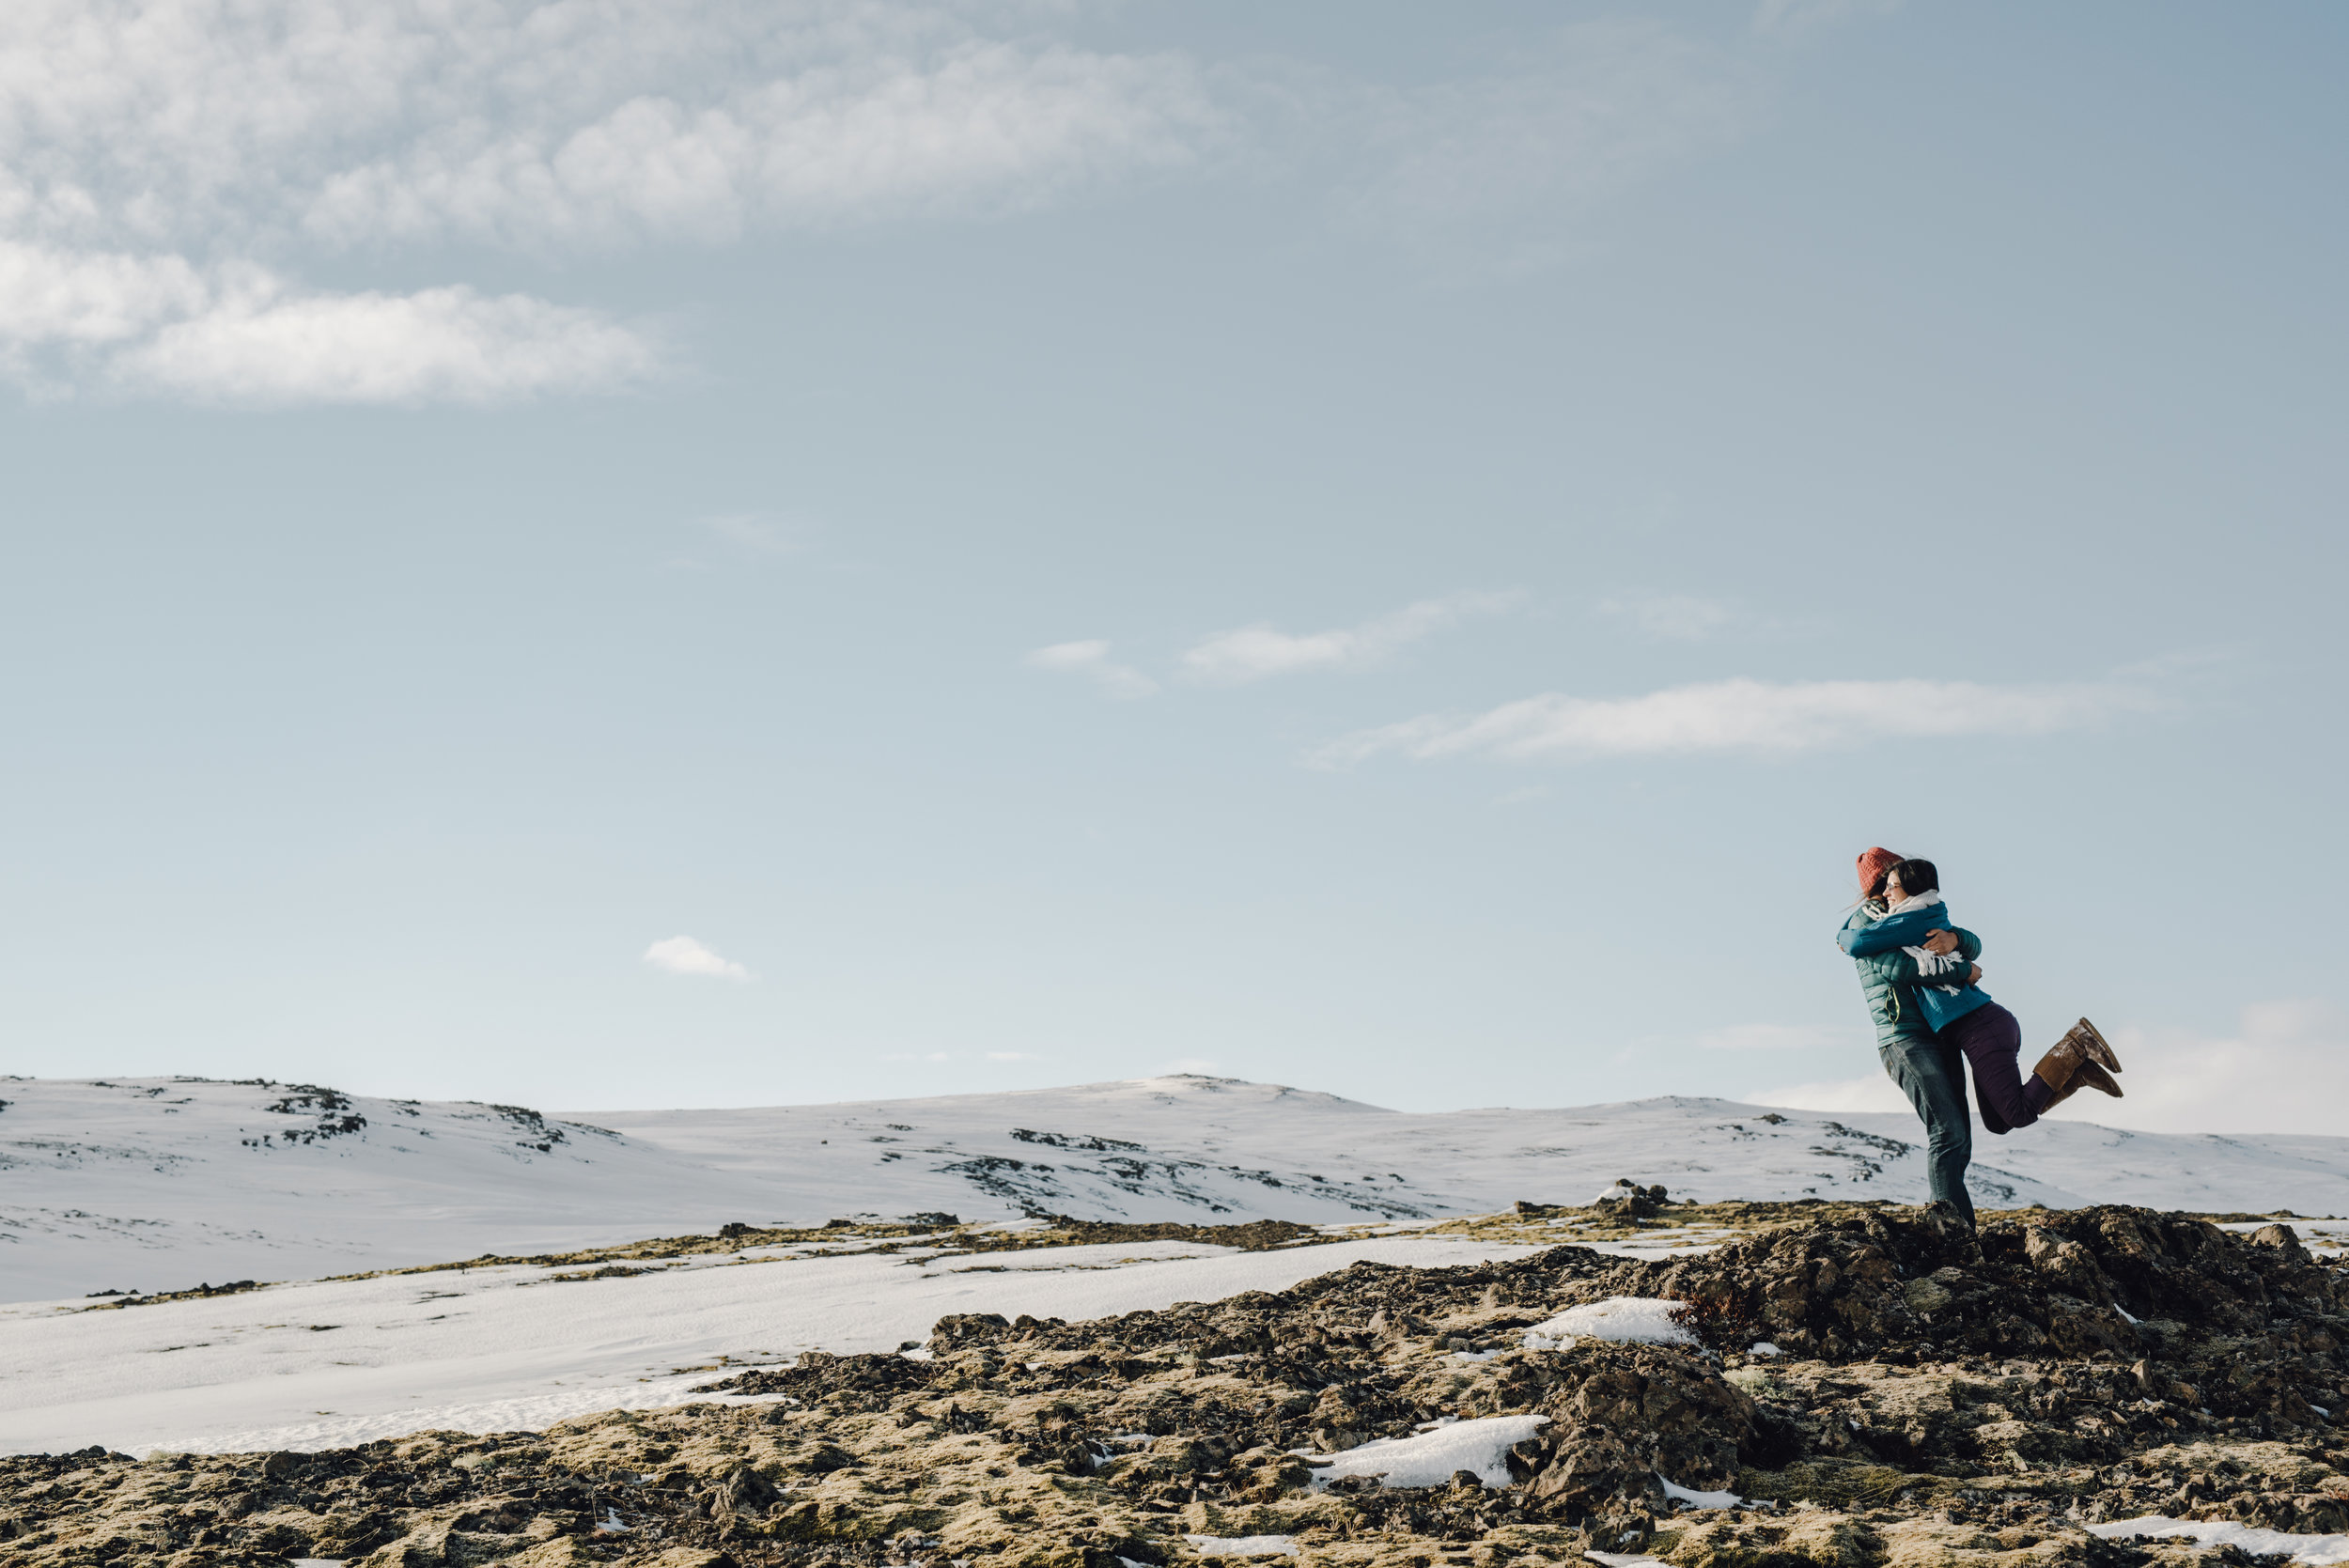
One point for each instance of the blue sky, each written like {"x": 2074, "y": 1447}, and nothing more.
{"x": 615, "y": 554}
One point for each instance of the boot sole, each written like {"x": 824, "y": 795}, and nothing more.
{"x": 2094, "y": 1079}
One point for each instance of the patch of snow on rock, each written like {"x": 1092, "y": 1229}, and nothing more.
{"x": 1621, "y": 1319}
{"x": 2318, "y": 1551}
{"x": 1243, "y": 1546}
{"x": 1430, "y": 1458}
{"x": 1708, "y": 1499}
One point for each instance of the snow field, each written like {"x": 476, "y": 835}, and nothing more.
{"x": 331, "y": 1364}
{"x": 1622, "y": 1319}
{"x": 156, "y": 1183}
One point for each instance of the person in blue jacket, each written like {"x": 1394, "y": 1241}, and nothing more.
{"x": 1961, "y": 1013}
{"x": 1921, "y": 977}
{"x": 1930, "y": 1072}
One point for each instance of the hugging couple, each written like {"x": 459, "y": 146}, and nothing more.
{"x": 1920, "y": 975}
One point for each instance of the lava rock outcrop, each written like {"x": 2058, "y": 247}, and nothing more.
{"x": 1877, "y": 1387}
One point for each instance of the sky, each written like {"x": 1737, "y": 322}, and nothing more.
{"x": 615, "y": 554}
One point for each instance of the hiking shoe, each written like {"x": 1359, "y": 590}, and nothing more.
{"x": 1949, "y": 1215}
{"x": 2092, "y": 1045}
{"x": 2065, "y": 1071}
{"x": 2082, "y": 1046}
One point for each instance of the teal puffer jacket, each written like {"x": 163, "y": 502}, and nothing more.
{"x": 1888, "y": 980}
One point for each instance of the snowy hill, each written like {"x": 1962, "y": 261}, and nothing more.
{"x": 159, "y": 1183}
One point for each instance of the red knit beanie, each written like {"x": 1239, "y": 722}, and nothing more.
{"x": 1873, "y": 864}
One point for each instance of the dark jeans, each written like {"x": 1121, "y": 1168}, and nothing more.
{"x": 1993, "y": 1044}
{"x": 1930, "y": 1073}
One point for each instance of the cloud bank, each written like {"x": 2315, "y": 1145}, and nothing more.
{"x": 163, "y": 161}
{"x": 190, "y": 147}
{"x": 1742, "y": 716}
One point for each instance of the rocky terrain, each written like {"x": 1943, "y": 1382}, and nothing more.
{"x": 1934, "y": 1397}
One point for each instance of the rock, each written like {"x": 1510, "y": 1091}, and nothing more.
{"x": 743, "y": 1491}
{"x": 2067, "y": 1263}
{"x": 1628, "y": 1200}
{"x": 1944, "y": 1397}
{"x": 2282, "y": 1236}
{"x": 1577, "y": 1471}
{"x": 1807, "y": 1540}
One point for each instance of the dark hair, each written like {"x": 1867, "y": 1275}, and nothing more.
{"x": 1916, "y": 877}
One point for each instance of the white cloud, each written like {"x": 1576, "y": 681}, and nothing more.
{"x": 1091, "y": 658}
{"x": 239, "y": 333}
{"x": 154, "y": 153}
{"x": 955, "y": 124}
{"x": 1768, "y": 1036}
{"x": 53, "y": 296}
{"x": 529, "y": 120}
{"x": 1744, "y": 715}
{"x": 2284, "y": 1069}
{"x": 155, "y": 143}
{"x": 1683, "y": 616}
{"x": 1010, "y": 1056}
{"x": 1255, "y": 652}
{"x": 438, "y": 343}
{"x": 684, "y": 956}
{"x": 199, "y": 135}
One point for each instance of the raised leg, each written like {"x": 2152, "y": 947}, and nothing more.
{"x": 1993, "y": 1044}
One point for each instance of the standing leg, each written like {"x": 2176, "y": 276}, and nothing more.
{"x": 1929, "y": 1074}
{"x": 1993, "y": 1044}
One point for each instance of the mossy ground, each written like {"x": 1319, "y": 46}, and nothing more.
{"x": 1941, "y": 1398}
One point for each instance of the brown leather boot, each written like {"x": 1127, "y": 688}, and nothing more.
{"x": 2092, "y": 1045}
{"x": 2064, "y": 1071}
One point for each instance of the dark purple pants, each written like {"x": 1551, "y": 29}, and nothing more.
{"x": 1993, "y": 1044}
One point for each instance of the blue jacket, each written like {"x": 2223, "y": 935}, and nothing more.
{"x": 1866, "y": 934}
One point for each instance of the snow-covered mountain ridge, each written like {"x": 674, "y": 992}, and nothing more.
{"x": 157, "y": 1183}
